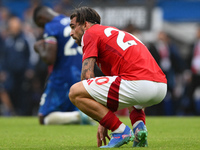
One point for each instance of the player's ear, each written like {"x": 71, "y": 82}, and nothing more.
{"x": 87, "y": 25}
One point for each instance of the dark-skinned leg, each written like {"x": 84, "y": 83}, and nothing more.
{"x": 41, "y": 119}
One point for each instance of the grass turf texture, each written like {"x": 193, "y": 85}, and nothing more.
{"x": 164, "y": 133}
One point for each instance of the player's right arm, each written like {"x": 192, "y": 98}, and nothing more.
{"x": 46, "y": 50}
{"x": 88, "y": 68}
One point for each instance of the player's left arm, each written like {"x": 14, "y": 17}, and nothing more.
{"x": 88, "y": 68}
{"x": 46, "y": 50}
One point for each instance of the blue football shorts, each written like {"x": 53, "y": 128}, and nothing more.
{"x": 56, "y": 99}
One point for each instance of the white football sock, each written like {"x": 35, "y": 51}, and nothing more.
{"x": 120, "y": 129}
{"x": 62, "y": 118}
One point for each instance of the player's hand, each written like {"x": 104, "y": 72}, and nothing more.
{"x": 38, "y": 45}
{"x": 102, "y": 134}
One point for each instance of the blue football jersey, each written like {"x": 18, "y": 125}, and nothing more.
{"x": 67, "y": 68}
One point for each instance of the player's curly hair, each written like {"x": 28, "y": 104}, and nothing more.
{"x": 83, "y": 14}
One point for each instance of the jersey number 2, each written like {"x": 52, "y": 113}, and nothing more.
{"x": 68, "y": 50}
{"x": 123, "y": 45}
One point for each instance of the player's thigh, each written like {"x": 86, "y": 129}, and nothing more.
{"x": 77, "y": 90}
{"x": 104, "y": 90}
{"x": 55, "y": 99}
{"x": 47, "y": 101}
{"x": 116, "y": 93}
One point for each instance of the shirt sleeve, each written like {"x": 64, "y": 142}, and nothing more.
{"x": 89, "y": 45}
{"x": 50, "y": 39}
{"x": 50, "y": 33}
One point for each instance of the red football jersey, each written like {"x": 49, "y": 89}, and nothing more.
{"x": 120, "y": 53}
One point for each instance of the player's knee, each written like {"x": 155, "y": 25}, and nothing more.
{"x": 73, "y": 93}
{"x": 76, "y": 93}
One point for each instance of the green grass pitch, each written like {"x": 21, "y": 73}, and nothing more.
{"x": 164, "y": 133}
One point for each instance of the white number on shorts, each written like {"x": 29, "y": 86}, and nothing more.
{"x": 123, "y": 45}
{"x": 68, "y": 50}
{"x": 42, "y": 100}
